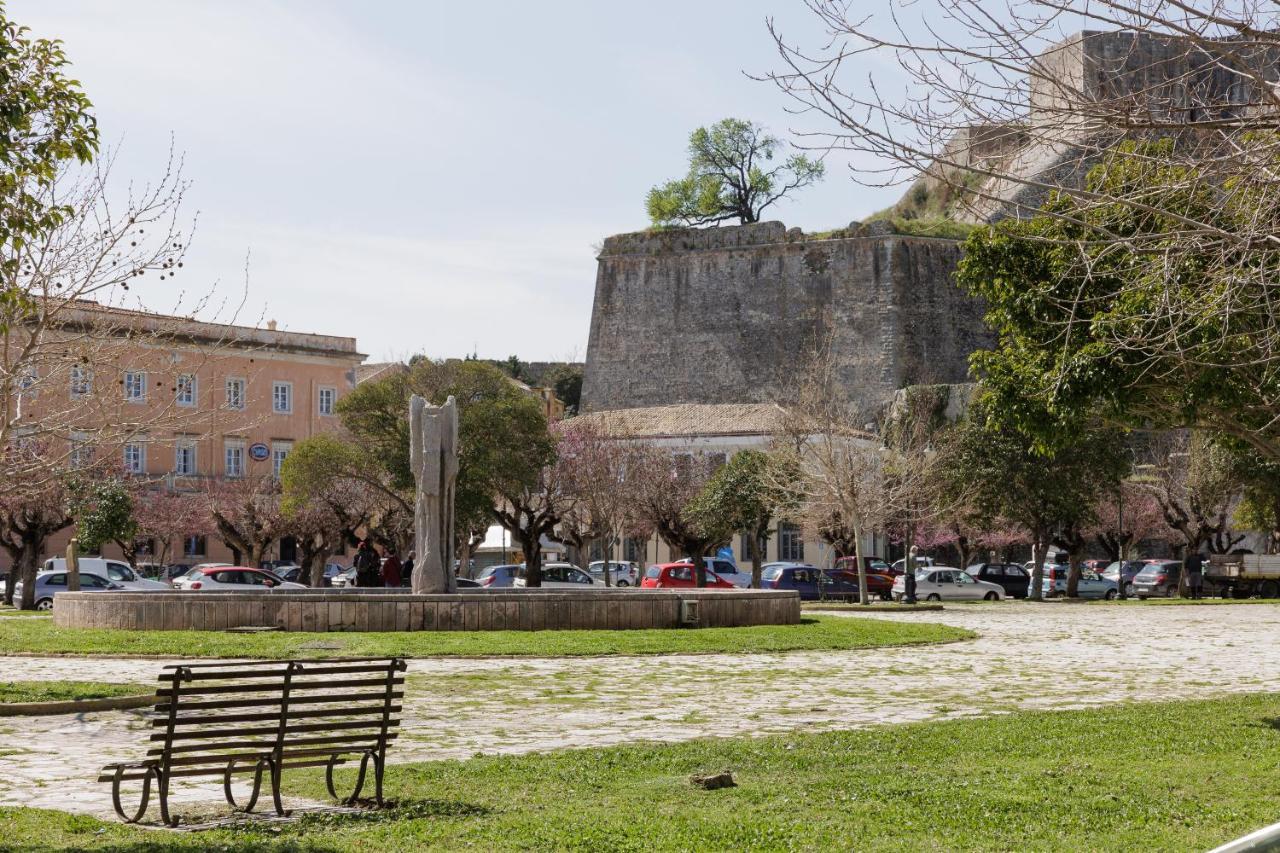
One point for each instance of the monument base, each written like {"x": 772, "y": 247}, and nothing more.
{"x": 324, "y": 610}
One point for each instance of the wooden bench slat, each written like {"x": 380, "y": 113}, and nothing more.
{"x": 136, "y": 775}
{"x": 283, "y": 663}
{"x": 335, "y": 740}
{"x": 229, "y": 675}
{"x": 296, "y": 684}
{"x": 317, "y": 713}
{"x": 218, "y": 704}
{"x": 314, "y": 727}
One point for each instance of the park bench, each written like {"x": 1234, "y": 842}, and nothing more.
{"x": 265, "y": 717}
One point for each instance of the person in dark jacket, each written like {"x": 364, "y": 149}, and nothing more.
{"x": 1194, "y": 566}
{"x": 391, "y": 568}
{"x": 366, "y": 565}
{"x": 406, "y": 571}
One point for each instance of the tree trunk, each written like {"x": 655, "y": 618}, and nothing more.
{"x": 863, "y": 596}
{"x": 28, "y": 562}
{"x": 1037, "y": 569}
{"x": 608, "y": 556}
{"x": 531, "y": 548}
{"x": 1074, "y": 554}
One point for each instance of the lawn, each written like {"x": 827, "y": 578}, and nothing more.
{"x": 1173, "y": 776}
{"x": 16, "y": 692}
{"x": 40, "y": 636}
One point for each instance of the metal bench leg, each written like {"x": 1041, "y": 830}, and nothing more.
{"x": 379, "y": 764}
{"x": 163, "y": 790}
{"x": 355, "y": 795}
{"x": 257, "y": 785}
{"x": 275, "y": 787}
{"x": 146, "y": 795}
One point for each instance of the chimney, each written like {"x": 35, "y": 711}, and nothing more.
{"x": 271, "y": 325}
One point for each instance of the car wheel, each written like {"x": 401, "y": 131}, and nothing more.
{"x": 1111, "y": 595}
{"x": 1128, "y": 589}
{"x": 991, "y": 596}
{"x": 623, "y": 583}
{"x": 44, "y": 604}
{"x": 933, "y": 596}
{"x": 884, "y": 596}
{"x": 1270, "y": 589}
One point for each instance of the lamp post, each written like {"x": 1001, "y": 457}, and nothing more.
{"x": 1120, "y": 593}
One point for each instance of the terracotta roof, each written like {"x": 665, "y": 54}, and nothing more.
{"x": 689, "y": 419}
{"x": 378, "y": 369}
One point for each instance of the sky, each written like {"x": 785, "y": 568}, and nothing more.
{"x": 428, "y": 177}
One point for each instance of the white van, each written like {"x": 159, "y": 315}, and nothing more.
{"x": 117, "y": 571}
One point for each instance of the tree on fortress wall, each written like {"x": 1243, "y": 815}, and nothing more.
{"x": 27, "y": 519}
{"x": 730, "y": 176}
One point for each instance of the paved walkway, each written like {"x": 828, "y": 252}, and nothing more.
{"x": 1028, "y": 656}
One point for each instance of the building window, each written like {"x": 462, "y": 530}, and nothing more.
{"x": 184, "y": 458}
{"x": 81, "y": 455}
{"x": 327, "y": 398}
{"x": 745, "y": 547}
{"x": 790, "y": 544}
{"x": 235, "y": 458}
{"x": 279, "y": 452}
{"x": 633, "y": 550}
{"x": 135, "y": 458}
{"x": 27, "y": 381}
{"x": 235, "y": 394}
{"x": 81, "y": 381}
{"x": 186, "y": 390}
{"x": 194, "y": 546}
{"x": 282, "y": 397}
{"x": 135, "y": 386}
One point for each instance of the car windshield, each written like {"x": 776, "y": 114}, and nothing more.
{"x": 771, "y": 572}
{"x": 652, "y": 572}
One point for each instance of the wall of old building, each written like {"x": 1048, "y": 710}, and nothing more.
{"x": 730, "y": 315}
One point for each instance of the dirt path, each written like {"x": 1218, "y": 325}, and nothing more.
{"x": 1027, "y": 656}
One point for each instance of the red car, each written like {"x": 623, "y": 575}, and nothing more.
{"x": 677, "y": 576}
{"x": 873, "y": 564}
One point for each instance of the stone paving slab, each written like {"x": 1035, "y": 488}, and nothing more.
{"x": 1028, "y": 656}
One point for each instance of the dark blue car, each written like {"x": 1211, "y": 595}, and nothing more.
{"x": 813, "y": 583}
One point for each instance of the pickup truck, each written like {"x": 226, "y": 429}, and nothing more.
{"x": 1245, "y": 575}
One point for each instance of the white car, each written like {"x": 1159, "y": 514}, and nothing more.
{"x": 232, "y": 579}
{"x": 621, "y": 572}
{"x": 561, "y": 576}
{"x": 116, "y": 571}
{"x": 921, "y": 563}
{"x": 739, "y": 576}
{"x": 944, "y": 583}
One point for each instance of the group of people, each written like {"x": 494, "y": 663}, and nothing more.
{"x": 385, "y": 569}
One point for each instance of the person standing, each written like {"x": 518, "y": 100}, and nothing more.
{"x": 406, "y": 571}
{"x": 366, "y": 565}
{"x": 391, "y": 568}
{"x": 1194, "y": 567}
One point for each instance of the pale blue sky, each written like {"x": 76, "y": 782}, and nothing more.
{"x": 426, "y": 176}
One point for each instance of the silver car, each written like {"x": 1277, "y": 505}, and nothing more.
{"x": 49, "y": 584}
{"x": 621, "y": 572}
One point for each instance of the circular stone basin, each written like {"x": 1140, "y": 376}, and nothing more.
{"x": 394, "y": 610}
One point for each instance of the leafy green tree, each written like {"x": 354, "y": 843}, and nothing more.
{"x": 746, "y": 495}
{"x": 1050, "y": 492}
{"x": 103, "y": 510}
{"x": 1114, "y": 307}
{"x": 730, "y": 177}
{"x": 566, "y": 381}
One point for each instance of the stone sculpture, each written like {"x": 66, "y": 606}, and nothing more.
{"x": 433, "y": 454}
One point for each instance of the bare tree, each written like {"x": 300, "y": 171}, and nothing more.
{"x": 246, "y": 514}
{"x": 1169, "y": 241}
{"x": 594, "y": 468}
{"x": 663, "y": 487}
{"x": 27, "y": 520}
{"x": 1197, "y": 486}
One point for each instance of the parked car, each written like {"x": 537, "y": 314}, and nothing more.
{"x": 873, "y": 564}
{"x": 560, "y": 576}
{"x": 942, "y": 583}
{"x": 497, "y": 577}
{"x": 467, "y": 583}
{"x": 621, "y": 572}
{"x": 1010, "y": 577}
{"x": 898, "y": 565}
{"x": 113, "y": 570}
{"x": 1158, "y": 578}
{"x": 279, "y": 567}
{"x": 173, "y": 570}
{"x": 49, "y": 584}
{"x": 727, "y": 571}
{"x": 233, "y": 579}
{"x": 1090, "y": 585}
{"x": 1127, "y": 569}
{"x": 679, "y": 576}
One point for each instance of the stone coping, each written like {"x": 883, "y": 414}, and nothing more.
{"x": 322, "y": 610}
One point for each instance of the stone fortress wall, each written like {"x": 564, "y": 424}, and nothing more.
{"x": 729, "y": 315}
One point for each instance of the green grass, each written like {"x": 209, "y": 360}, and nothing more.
{"x": 1172, "y": 776}
{"x": 40, "y": 636}
{"x": 15, "y": 692}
